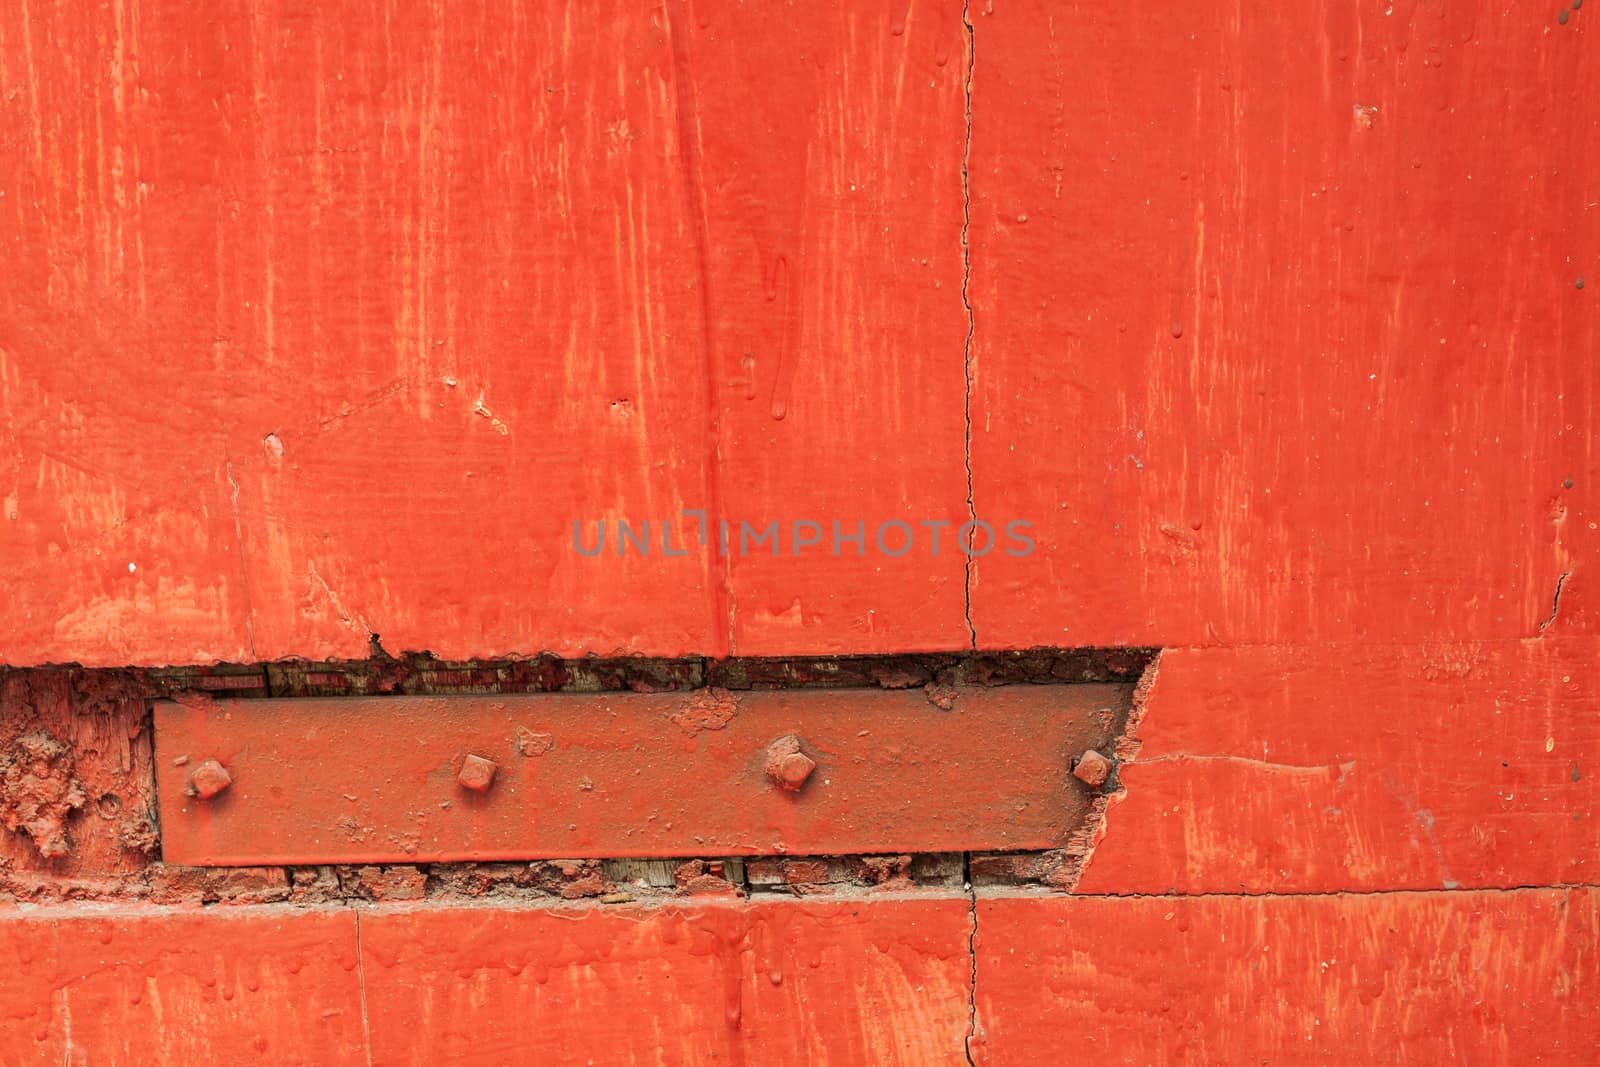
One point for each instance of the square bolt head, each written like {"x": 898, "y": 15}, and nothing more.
{"x": 477, "y": 773}
{"x": 787, "y": 766}
{"x": 1092, "y": 769}
{"x": 209, "y": 779}
{"x": 795, "y": 769}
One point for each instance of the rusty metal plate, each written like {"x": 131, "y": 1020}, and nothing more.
{"x": 707, "y": 773}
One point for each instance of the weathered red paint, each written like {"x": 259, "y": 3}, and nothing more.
{"x": 1277, "y": 331}
{"x": 886, "y": 979}
{"x": 852, "y": 981}
{"x": 209, "y": 779}
{"x": 1117, "y": 451}
{"x": 1469, "y": 977}
{"x": 86, "y": 826}
{"x": 424, "y": 287}
{"x": 1351, "y": 767}
{"x": 629, "y": 774}
{"x": 788, "y": 766}
{"x": 150, "y": 985}
{"x": 827, "y": 151}
{"x": 848, "y": 982}
{"x": 1091, "y": 768}
{"x": 325, "y": 321}
{"x": 476, "y": 773}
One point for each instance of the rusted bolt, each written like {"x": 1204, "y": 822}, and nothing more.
{"x": 477, "y": 773}
{"x": 209, "y": 779}
{"x": 787, "y": 766}
{"x": 1092, "y": 769}
{"x": 795, "y": 769}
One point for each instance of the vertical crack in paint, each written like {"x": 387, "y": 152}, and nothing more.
{"x": 1555, "y": 601}
{"x": 966, "y": 282}
{"x": 972, "y": 959}
{"x": 688, "y": 115}
{"x": 361, "y": 981}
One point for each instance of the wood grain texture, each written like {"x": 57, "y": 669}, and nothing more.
{"x": 95, "y": 796}
{"x": 1278, "y": 332}
{"x": 843, "y": 982}
{"x": 1380, "y": 978}
{"x": 270, "y": 985}
{"x": 330, "y": 322}
{"x": 880, "y": 981}
{"x": 829, "y": 154}
{"x": 466, "y": 245}
{"x": 327, "y": 309}
{"x": 1310, "y": 769}
{"x": 1397, "y": 978}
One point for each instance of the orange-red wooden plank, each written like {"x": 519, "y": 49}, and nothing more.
{"x": 326, "y": 323}
{"x": 1305, "y": 769}
{"x": 500, "y": 279}
{"x": 1279, "y": 335}
{"x": 631, "y": 774}
{"x": 884, "y": 981}
{"x": 1374, "y": 978}
{"x": 881, "y": 981}
{"x": 131, "y": 985}
{"x": 1393, "y": 978}
{"x": 828, "y": 146}
{"x": 329, "y": 320}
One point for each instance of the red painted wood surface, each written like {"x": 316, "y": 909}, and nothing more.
{"x": 609, "y": 775}
{"x": 354, "y": 285}
{"x": 1381, "y": 978}
{"x": 827, "y": 155}
{"x": 111, "y": 763}
{"x": 325, "y": 321}
{"x": 1278, "y": 333}
{"x": 344, "y": 267}
{"x": 879, "y": 981}
{"x": 383, "y": 301}
{"x": 131, "y": 985}
{"x": 815, "y": 982}
{"x": 355, "y": 343}
{"x": 1310, "y": 769}
{"x": 1400, "y": 978}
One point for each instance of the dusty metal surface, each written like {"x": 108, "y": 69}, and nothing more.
{"x": 67, "y": 732}
{"x": 707, "y": 772}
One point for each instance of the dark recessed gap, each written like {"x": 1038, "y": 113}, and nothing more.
{"x": 115, "y": 692}
{"x": 421, "y": 673}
